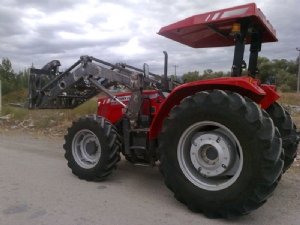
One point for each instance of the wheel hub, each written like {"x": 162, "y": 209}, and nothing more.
{"x": 211, "y": 154}
{"x": 91, "y": 147}
{"x": 86, "y": 149}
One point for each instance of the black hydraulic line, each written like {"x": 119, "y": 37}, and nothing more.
{"x": 121, "y": 68}
{"x": 137, "y": 69}
{"x": 71, "y": 96}
{"x": 61, "y": 75}
{"x": 109, "y": 64}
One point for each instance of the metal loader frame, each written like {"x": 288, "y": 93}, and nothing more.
{"x": 50, "y": 89}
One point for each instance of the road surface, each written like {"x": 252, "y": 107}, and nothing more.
{"x": 37, "y": 187}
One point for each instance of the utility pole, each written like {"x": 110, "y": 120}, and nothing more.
{"x": 298, "y": 49}
{"x": 0, "y": 96}
{"x": 175, "y": 70}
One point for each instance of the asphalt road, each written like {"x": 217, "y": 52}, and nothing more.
{"x": 37, "y": 187}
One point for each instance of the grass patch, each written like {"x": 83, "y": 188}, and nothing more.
{"x": 47, "y": 118}
{"x": 44, "y": 118}
{"x": 15, "y": 97}
{"x": 89, "y": 107}
{"x": 289, "y": 99}
{"x": 16, "y": 113}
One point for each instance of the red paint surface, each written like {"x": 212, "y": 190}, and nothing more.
{"x": 193, "y": 31}
{"x": 270, "y": 97}
{"x": 245, "y": 86}
{"x": 113, "y": 111}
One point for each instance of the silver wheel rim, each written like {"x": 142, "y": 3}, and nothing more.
{"x": 86, "y": 149}
{"x": 210, "y": 155}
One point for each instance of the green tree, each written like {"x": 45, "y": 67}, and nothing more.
{"x": 285, "y": 81}
{"x": 266, "y": 69}
{"x": 277, "y": 71}
{"x": 191, "y": 76}
{"x": 6, "y": 71}
{"x": 209, "y": 74}
{"x": 287, "y": 66}
{"x": 12, "y": 81}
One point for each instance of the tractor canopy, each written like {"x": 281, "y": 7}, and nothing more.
{"x": 215, "y": 29}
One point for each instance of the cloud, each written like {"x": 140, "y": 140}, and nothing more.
{"x": 125, "y": 31}
{"x": 48, "y": 6}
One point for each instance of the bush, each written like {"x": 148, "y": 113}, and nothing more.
{"x": 285, "y": 88}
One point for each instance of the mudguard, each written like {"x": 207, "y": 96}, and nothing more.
{"x": 270, "y": 97}
{"x": 245, "y": 86}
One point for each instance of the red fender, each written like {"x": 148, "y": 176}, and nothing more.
{"x": 270, "y": 97}
{"x": 245, "y": 86}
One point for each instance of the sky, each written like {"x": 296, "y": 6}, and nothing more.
{"x": 36, "y": 31}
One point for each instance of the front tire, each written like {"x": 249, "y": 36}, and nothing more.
{"x": 92, "y": 148}
{"x": 220, "y": 154}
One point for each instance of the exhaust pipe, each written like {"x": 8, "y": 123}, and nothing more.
{"x": 166, "y": 80}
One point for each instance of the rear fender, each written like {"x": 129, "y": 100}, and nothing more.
{"x": 245, "y": 86}
{"x": 270, "y": 97}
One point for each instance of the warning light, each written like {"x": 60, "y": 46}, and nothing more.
{"x": 236, "y": 29}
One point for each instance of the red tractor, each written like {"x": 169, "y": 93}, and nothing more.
{"x": 222, "y": 144}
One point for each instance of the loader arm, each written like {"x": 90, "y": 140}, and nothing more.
{"x": 79, "y": 83}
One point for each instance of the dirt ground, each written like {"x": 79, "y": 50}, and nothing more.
{"x": 37, "y": 187}
{"x": 10, "y": 127}
{"x": 58, "y": 132}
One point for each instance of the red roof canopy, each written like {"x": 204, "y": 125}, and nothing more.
{"x": 212, "y": 29}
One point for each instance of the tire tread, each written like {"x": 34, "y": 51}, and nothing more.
{"x": 110, "y": 153}
{"x": 269, "y": 139}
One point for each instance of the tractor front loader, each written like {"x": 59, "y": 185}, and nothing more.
{"x": 222, "y": 144}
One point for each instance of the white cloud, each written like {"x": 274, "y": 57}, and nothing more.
{"x": 112, "y": 30}
{"x": 131, "y": 48}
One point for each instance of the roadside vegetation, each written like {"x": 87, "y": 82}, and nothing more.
{"x": 281, "y": 73}
{"x": 291, "y": 102}
{"x": 43, "y": 118}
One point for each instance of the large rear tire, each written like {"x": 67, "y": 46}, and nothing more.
{"x": 220, "y": 154}
{"x": 92, "y": 148}
{"x": 283, "y": 121}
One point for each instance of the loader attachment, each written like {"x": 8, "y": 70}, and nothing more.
{"x": 50, "y": 89}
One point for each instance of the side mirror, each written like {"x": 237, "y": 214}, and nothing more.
{"x": 146, "y": 70}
